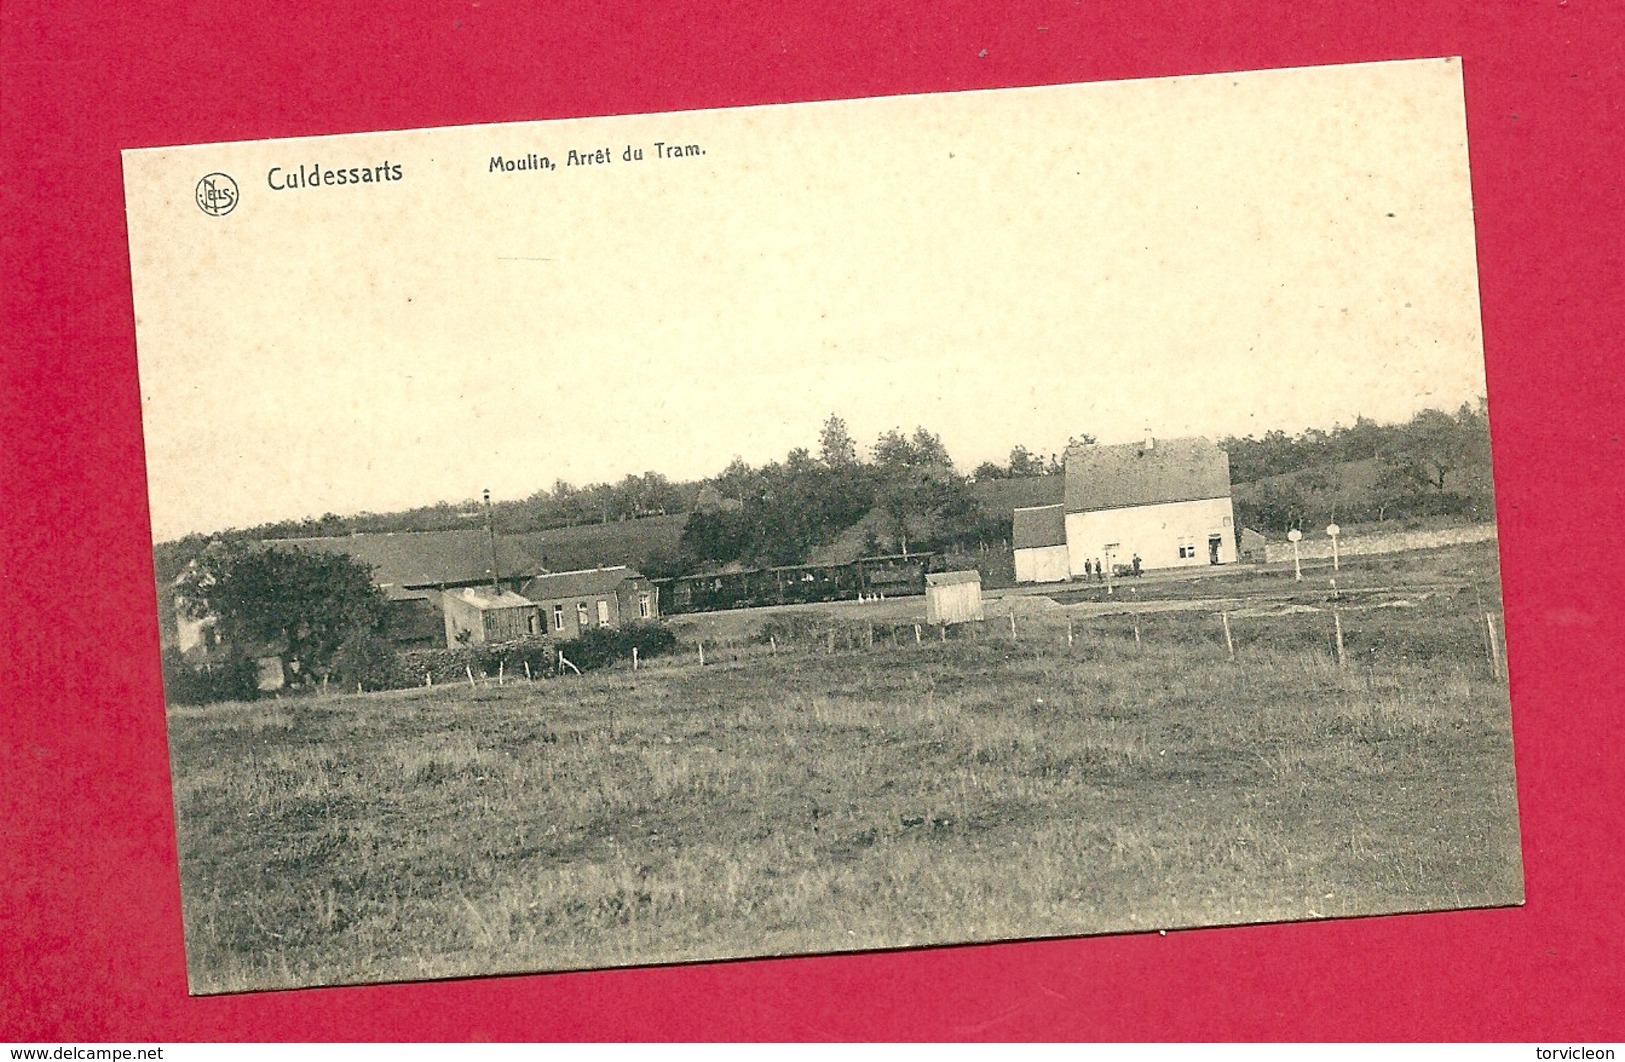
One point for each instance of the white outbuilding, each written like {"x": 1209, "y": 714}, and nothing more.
{"x": 953, "y": 597}
{"x": 1038, "y": 539}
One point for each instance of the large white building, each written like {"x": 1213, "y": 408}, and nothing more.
{"x": 1163, "y": 502}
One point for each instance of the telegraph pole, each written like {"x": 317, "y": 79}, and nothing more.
{"x": 491, "y": 533}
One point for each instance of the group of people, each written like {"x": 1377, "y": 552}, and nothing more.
{"x": 1096, "y": 571}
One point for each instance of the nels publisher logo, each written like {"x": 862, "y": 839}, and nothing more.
{"x": 217, "y": 195}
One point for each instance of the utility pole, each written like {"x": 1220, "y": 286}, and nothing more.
{"x": 491, "y": 533}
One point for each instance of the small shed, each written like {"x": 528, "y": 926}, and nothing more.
{"x": 953, "y": 597}
{"x": 479, "y": 615}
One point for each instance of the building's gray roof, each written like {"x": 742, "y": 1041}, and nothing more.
{"x": 586, "y": 583}
{"x": 953, "y": 578}
{"x": 485, "y": 599}
{"x": 424, "y": 558}
{"x": 1039, "y": 526}
{"x": 1022, "y": 492}
{"x": 1172, "y": 470}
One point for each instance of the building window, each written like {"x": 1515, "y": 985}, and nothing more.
{"x": 581, "y": 615}
{"x": 1187, "y": 549}
{"x": 532, "y": 624}
{"x": 558, "y": 617}
{"x": 643, "y": 606}
{"x": 603, "y": 613}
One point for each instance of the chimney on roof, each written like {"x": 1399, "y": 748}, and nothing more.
{"x": 491, "y": 533}
{"x": 1150, "y": 443}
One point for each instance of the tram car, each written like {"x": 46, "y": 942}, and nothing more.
{"x": 894, "y": 575}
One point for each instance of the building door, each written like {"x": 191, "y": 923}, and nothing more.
{"x": 1213, "y": 543}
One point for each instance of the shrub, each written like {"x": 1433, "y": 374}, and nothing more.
{"x": 367, "y": 660}
{"x": 603, "y": 646}
{"x": 453, "y": 665}
{"x": 229, "y": 678}
{"x": 596, "y": 648}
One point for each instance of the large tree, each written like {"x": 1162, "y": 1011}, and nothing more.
{"x": 309, "y": 607}
{"x": 836, "y": 447}
{"x": 917, "y": 487}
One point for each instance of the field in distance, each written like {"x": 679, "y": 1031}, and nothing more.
{"x": 786, "y": 798}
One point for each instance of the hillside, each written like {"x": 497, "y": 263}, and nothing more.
{"x": 1359, "y": 492}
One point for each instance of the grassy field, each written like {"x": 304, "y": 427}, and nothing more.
{"x": 790, "y": 799}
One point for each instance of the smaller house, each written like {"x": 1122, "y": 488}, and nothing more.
{"x": 953, "y": 597}
{"x": 481, "y": 615}
{"x": 572, "y": 602}
{"x": 1038, "y": 539}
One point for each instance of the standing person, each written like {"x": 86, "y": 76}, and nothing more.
{"x": 1136, "y": 566}
{"x": 1100, "y": 573}
{"x": 1088, "y": 570}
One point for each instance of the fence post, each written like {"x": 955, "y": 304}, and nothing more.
{"x": 701, "y": 643}
{"x": 502, "y": 672}
{"x": 428, "y": 678}
{"x": 1337, "y": 621}
{"x": 916, "y": 634}
{"x": 1495, "y": 649}
{"x": 942, "y": 629}
{"x": 1069, "y": 632}
{"x": 1229, "y": 643}
{"x": 634, "y": 658}
{"x": 528, "y": 676}
{"x": 773, "y": 640}
{"x": 471, "y": 683}
{"x": 1012, "y": 623}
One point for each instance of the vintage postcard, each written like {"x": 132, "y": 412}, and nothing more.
{"x": 822, "y": 527}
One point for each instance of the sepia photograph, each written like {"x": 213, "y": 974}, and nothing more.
{"x": 824, "y": 527}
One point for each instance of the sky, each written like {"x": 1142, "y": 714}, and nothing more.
{"x": 1224, "y": 254}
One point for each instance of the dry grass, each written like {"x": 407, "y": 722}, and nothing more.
{"x": 978, "y": 789}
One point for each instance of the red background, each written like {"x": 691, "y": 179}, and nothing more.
{"x": 90, "y": 929}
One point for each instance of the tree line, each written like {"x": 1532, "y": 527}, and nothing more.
{"x": 633, "y": 497}
{"x": 1435, "y": 464}
{"x": 906, "y": 492}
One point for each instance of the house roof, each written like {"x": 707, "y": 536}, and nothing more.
{"x": 392, "y": 592}
{"x": 485, "y": 599}
{"x": 953, "y": 578}
{"x": 1038, "y": 526}
{"x": 1171, "y": 470}
{"x": 585, "y": 583}
{"x": 425, "y": 558}
{"x": 1021, "y": 492}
